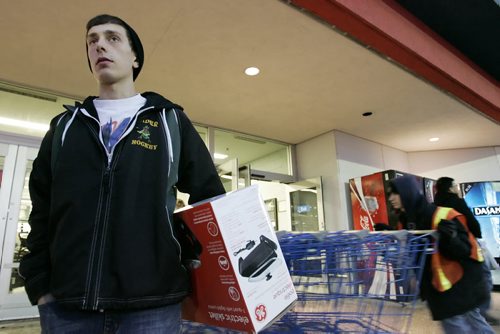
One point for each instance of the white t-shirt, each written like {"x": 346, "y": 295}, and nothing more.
{"x": 115, "y": 115}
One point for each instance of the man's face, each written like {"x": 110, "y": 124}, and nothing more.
{"x": 110, "y": 54}
{"x": 455, "y": 189}
{"x": 395, "y": 200}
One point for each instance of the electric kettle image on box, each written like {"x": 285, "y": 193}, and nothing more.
{"x": 260, "y": 262}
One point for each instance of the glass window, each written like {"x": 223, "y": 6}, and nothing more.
{"x": 203, "y": 132}
{"x": 304, "y": 207}
{"x": 259, "y": 153}
{"x": 34, "y": 108}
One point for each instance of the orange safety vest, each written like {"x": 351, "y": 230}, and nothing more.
{"x": 446, "y": 272}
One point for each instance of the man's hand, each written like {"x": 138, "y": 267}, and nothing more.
{"x": 45, "y": 299}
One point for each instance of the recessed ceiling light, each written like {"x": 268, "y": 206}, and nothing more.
{"x": 433, "y": 139}
{"x": 251, "y": 71}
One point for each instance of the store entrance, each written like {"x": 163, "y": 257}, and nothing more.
{"x": 15, "y": 206}
{"x": 291, "y": 205}
{"x": 294, "y": 206}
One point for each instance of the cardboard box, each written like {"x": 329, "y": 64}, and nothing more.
{"x": 239, "y": 276}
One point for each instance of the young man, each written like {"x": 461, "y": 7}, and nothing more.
{"x": 448, "y": 194}
{"x": 452, "y": 282}
{"x": 103, "y": 254}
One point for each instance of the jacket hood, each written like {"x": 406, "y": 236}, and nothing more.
{"x": 444, "y": 198}
{"x": 154, "y": 99}
{"x": 412, "y": 198}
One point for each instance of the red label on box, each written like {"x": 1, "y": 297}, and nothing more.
{"x": 222, "y": 303}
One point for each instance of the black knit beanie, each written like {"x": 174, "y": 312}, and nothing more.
{"x": 135, "y": 42}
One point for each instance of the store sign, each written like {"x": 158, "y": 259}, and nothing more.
{"x": 487, "y": 210}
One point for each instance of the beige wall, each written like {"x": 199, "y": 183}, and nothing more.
{"x": 464, "y": 165}
{"x": 317, "y": 157}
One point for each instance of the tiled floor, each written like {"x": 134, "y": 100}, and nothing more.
{"x": 421, "y": 323}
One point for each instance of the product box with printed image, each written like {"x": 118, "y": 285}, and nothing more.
{"x": 238, "y": 273}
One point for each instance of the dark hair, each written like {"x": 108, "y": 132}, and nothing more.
{"x": 133, "y": 38}
{"x": 444, "y": 184}
{"x": 391, "y": 189}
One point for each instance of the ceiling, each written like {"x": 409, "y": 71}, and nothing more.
{"x": 313, "y": 78}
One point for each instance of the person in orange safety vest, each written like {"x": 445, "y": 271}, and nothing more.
{"x": 452, "y": 282}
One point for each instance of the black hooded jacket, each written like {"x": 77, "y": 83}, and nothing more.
{"x": 101, "y": 233}
{"x": 451, "y": 200}
{"x": 470, "y": 291}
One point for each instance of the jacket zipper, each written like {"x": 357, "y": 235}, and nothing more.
{"x": 94, "y": 271}
{"x": 88, "y": 301}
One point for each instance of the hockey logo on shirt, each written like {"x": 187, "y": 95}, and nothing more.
{"x": 144, "y": 135}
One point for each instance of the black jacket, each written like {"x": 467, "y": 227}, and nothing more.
{"x": 471, "y": 290}
{"x": 451, "y": 200}
{"x": 101, "y": 234}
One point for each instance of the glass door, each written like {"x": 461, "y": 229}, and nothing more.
{"x": 306, "y": 205}
{"x": 15, "y": 209}
{"x": 244, "y": 176}
{"x": 7, "y": 163}
{"x": 228, "y": 173}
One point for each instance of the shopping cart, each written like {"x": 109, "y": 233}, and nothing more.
{"x": 349, "y": 282}
{"x": 353, "y": 282}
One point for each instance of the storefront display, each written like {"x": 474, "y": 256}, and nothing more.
{"x": 483, "y": 198}
{"x": 369, "y": 198}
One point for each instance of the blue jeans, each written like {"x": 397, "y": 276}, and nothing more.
{"x": 489, "y": 284}
{"x": 469, "y": 322}
{"x": 55, "y": 319}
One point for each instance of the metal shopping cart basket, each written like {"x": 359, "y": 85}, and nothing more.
{"x": 353, "y": 282}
